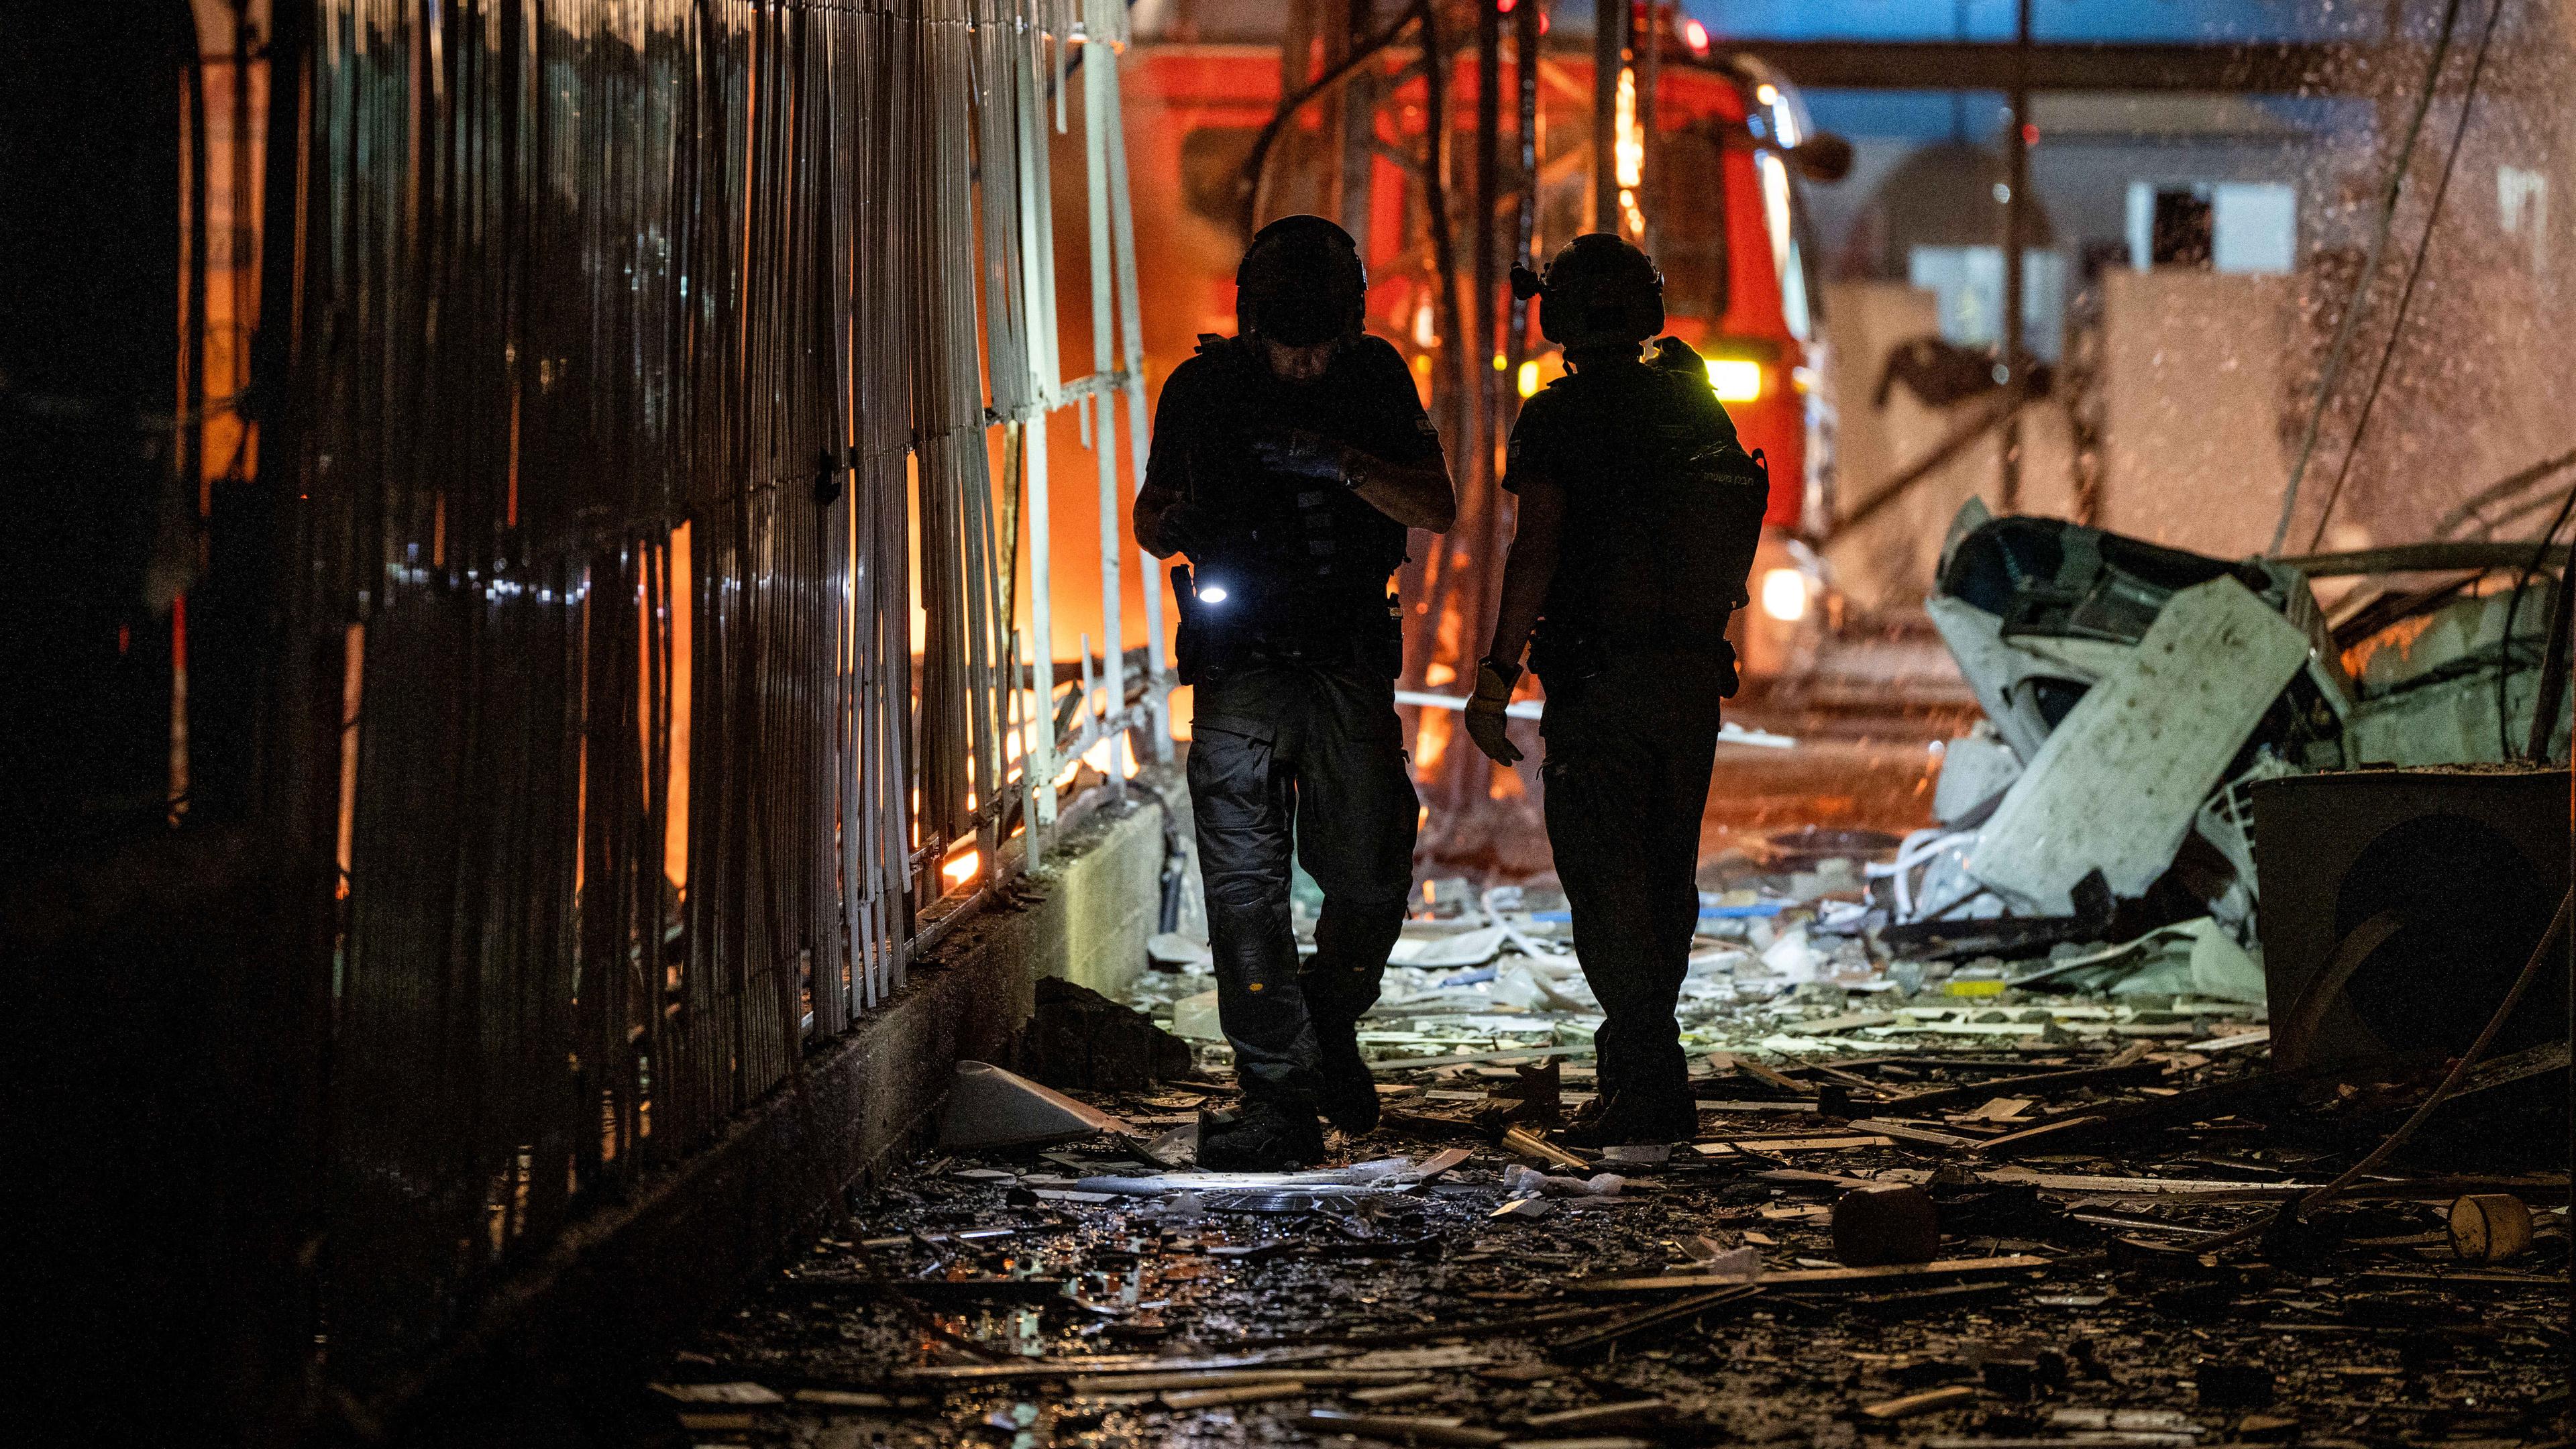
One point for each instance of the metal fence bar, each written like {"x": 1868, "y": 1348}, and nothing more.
{"x": 641, "y": 342}
{"x": 1100, "y": 92}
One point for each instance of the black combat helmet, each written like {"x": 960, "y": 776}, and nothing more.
{"x": 1599, "y": 292}
{"x": 1301, "y": 282}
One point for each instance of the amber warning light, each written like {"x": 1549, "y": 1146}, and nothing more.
{"x": 1736, "y": 379}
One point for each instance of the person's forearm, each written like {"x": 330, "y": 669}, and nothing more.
{"x": 1150, "y": 505}
{"x": 1525, "y": 579}
{"x": 1528, "y": 569}
{"x": 1417, "y": 495}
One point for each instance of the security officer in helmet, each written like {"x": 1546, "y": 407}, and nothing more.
{"x": 1288, "y": 462}
{"x": 1639, "y": 512}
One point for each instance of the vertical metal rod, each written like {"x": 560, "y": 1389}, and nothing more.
{"x": 1122, "y": 230}
{"x": 1465, "y": 774}
{"x": 1099, "y": 84}
{"x": 1609, "y": 39}
{"x": 1361, "y": 95}
{"x": 1649, "y": 46}
{"x": 2016, "y": 213}
{"x": 1489, "y": 125}
{"x": 1037, "y": 260}
{"x": 1525, "y": 52}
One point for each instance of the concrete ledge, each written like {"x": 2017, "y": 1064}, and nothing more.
{"x": 1108, "y": 875}
{"x": 618, "y": 1288}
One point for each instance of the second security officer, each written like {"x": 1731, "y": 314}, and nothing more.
{"x": 1639, "y": 512}
{"x": 1288, "y": 463}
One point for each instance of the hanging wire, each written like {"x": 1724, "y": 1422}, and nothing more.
{"x": 2513, "y": 606}
{"x": 2414, "y": 273}
{"x": 2369, "y": 268}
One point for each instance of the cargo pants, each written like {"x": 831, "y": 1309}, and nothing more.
{"x": 1630, "y": 749}
{"x": 1291, "y": 754}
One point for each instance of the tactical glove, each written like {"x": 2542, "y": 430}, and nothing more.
{"x": 1486, "y": 720}
{"x": 1303, "y": 454}
{"x": 1184, "y": 528}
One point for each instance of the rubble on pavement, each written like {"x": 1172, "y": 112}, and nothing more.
{"x": 1946, "y": 1211}
{"x": 1993, "y": 1149}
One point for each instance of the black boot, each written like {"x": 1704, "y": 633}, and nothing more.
{"x": 1632, "y": 1118}
{"x": 1348, "y": 1093}
{"x": 1260, "y": 1136}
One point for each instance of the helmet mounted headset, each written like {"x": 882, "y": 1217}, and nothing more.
{"x": 1599, "y": 293}
{"x": 1301, "y": 284}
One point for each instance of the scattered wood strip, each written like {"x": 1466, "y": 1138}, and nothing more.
{"x": 2040, "y": 1084}
{"x": 1774, "y": 1146}
{"x": 1812, "y": 1280}
{"x": 1929, "y": 1401}
{"x": 1321, "y": 1378}
{"x": 1908, "y": 1133}
{"x": 1097, "y": 1364}
{"x": 1240, "y": 1394}
{"x": 1403, "y": 1428}
{"x": 1529, "y": 1144}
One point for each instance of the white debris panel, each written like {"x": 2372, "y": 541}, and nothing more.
{"x": 2132, "y": 693}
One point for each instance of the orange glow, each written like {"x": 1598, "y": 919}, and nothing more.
{"x": 2400, "y": 636}
{"x": 1430, "y": 742}
{"x": 1184, "y": 705}
{"x": 962, "y": 868}
{"x": 353, "y": 675}
{"x": 1438, "y": 674}
{"x": 675, "y": 834}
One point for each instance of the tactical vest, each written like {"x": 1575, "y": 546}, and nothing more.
{"x": 1663, "y": 510}
{"x": 1300, "y": 556}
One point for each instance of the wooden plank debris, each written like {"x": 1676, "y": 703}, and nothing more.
{"x": 739, "y": 1392}
{"x": 2180, "y": 1188}
{"x": 1403, "y": 1428}
{"x": 1461, "y": 1059}
{"x": 1907, "y": 1133}
{"x": 854, "y": 1399}
{"x": 1777, "y": 1146}
{"x": 1529, "y": 1144}
{"x": 1592, "y": 1418}
{"x": 1322, "y": 1378}
{"x": 1239, "y": 1394}
{"x": 1090, "y": 1366}
{"x": 1628, "y": 1325}
{"x": 1927, "y": 1402}
{"x": 1827, "y": 1279}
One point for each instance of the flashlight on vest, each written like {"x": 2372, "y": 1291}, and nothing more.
{"x": 1193, "y": 593}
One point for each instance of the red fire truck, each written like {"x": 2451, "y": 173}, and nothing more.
{"x": 1712, "y": 153}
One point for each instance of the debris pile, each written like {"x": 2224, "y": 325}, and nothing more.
{"x": 2023, "y": 1234}
{"x": 2136, "y": 697}
{"x": 1993, "y": 1151}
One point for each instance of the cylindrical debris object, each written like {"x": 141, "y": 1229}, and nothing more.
{"x": 2489, "y": 1227}
{"x": 1892, "y": 1224}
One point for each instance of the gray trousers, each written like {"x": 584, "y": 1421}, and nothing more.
{"x": 1291, "y": 754}
{"x": 1630, "y": 749}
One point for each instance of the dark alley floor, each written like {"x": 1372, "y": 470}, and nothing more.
{"x": 988, "y": 1299}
